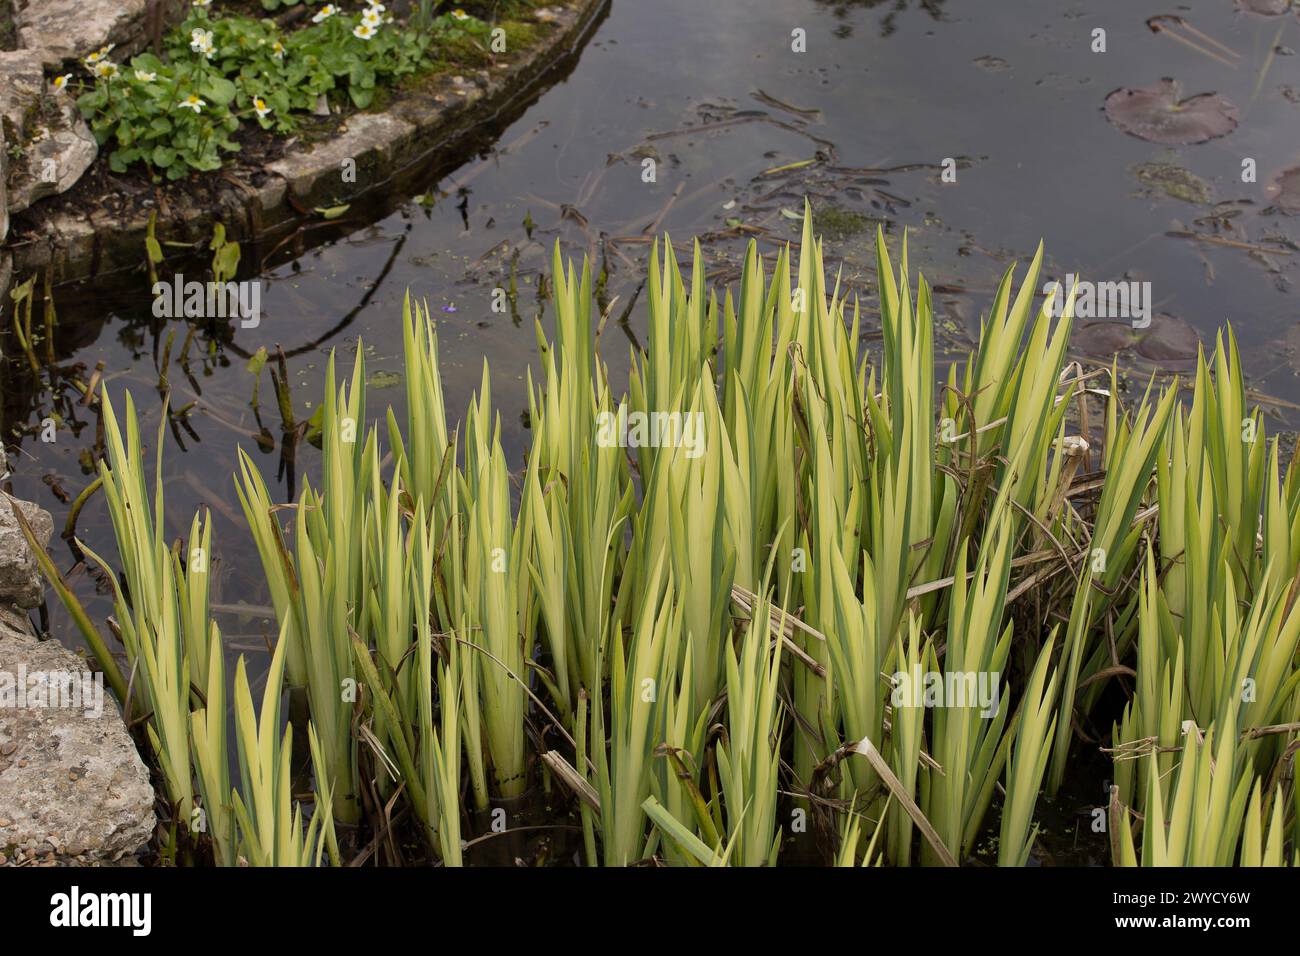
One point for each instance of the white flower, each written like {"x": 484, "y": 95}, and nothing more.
{"x": 277, "y": 50}
{"x": 192, "y": 102}
{"x": 93, "y": 58}
{"x": 61, "y": 82}
{"x": 201, "y": 42}
{"x": 372, "y": 17}
{"x": 203, "y": 4}
{"x": 106, "y": 70}
{"x": 459, "y": 14}
{"x": 144, "y": 76}
{"x": 259, "y": 105}
{"x": 376, "y": 8}
{"x": 324, "y": 13}
{"x": 363, "y": 31}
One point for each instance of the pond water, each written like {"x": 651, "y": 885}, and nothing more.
{"x": 885, "y": 92}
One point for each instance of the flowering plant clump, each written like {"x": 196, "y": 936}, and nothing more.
{"x": 178, "y": 113}
{"x": 171, "y": 117}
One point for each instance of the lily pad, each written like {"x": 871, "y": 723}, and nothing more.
{"x": 1157, "y": 115}
{"x": 1168, "y": 339}
{"x": 1104, "y": 339}
{"x": 1174, "y": 181}
{"x": 1285, "y": 191}
{"x": 1266, "y": 8}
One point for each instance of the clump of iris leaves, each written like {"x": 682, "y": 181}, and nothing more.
{"x": 674, "y": 643}
{"x": 178, "y": 113}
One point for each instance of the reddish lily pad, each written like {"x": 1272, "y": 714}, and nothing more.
{"x": 1157, "y": 115}
{"x": 1104, "y": 339}
{"x": 1168, "y": 339}
{"x": 1285, "y": 191}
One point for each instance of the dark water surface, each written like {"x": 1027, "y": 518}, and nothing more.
{"x": 713, "y": 93}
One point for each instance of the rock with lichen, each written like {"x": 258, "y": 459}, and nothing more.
{"x": 62, "y": 30}
{"x": 20, "y": 578}
{"x": 48, "y": 145}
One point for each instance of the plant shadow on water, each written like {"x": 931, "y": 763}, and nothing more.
{"x": 738, "y": 131}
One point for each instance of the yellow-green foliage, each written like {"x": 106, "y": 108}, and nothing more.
{"x": 699, "y": 640}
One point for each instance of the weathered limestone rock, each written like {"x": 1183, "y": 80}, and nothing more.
{"x": 54, "y": 145}
{"x": 368, "y": 139}
{"x": 72, "y": 784}
{"x": 20, "y": 578}
{"x": 69, "y": 29}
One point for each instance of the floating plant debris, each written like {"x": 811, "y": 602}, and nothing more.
{"x": 992, "y": 64}
{"x": 1157, "y": 115}
{"x": 770, "y": 100}
{"x": 1179, "y": 30}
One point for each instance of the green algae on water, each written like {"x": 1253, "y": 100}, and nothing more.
{"x": 1173, "y": 181}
